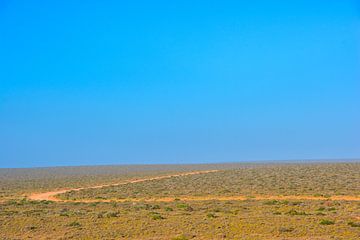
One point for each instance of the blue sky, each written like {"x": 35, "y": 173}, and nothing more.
{"x": 121, "y": 82}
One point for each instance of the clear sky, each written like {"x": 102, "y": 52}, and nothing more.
{"x": 121, "y": 82}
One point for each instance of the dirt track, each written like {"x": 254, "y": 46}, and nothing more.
{"x": 51, "y": 196}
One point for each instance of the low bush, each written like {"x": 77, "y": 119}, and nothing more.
{"x": 74, "y": 224}
{"x": 294, "y": 212}
{"x": 181, "y": 237}
{"x": 354, "y": 224}
{"x": 156, "y": 216}
{"x": 327, "y": 222}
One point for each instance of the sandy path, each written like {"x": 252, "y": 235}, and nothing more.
{"x": 216, "y": 198}
{"x": 51, "y": 196}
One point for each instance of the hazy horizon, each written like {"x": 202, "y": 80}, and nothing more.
{"x": 268, "y": 161}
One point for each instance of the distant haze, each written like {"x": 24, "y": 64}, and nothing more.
{"x": 140, "y": 82}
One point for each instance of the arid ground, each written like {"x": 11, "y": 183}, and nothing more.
{"x": 213, "y": 201}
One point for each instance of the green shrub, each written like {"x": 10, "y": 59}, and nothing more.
{"x": 182, "y": 205}
{"x": 74, "y": 224}
{"x": 354, "y": 224}
{"x": 181, "y": 237}
{"x": 211, "y": 215}
{"x": 327, "y": 222}
{"x": 156, "y": 216}
{"x": 185, "y": 207}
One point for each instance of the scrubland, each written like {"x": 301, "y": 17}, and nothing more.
{"x": 140, "y": 218}
{"x": 15, "y": 183}
{"x": 295, "y": 179}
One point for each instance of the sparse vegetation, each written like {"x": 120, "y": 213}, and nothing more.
{"x": 156, "y": 216}
{"x": 74, "y": 224}
{"x": 327, "y": 222}
{"x": 354, "y": 224}
{"x": 294, "y": 212}
{"x": 286, "y": 229}
{"x": 178, "y": 218}
{"x": 322, "y": 180}
{"x": 181, "y": 237}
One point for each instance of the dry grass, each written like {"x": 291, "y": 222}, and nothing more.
{"x": 312, "y": 180}
{"x": 249, "y": 219}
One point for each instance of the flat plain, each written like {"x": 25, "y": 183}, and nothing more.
{"x": 212, "y": 201}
